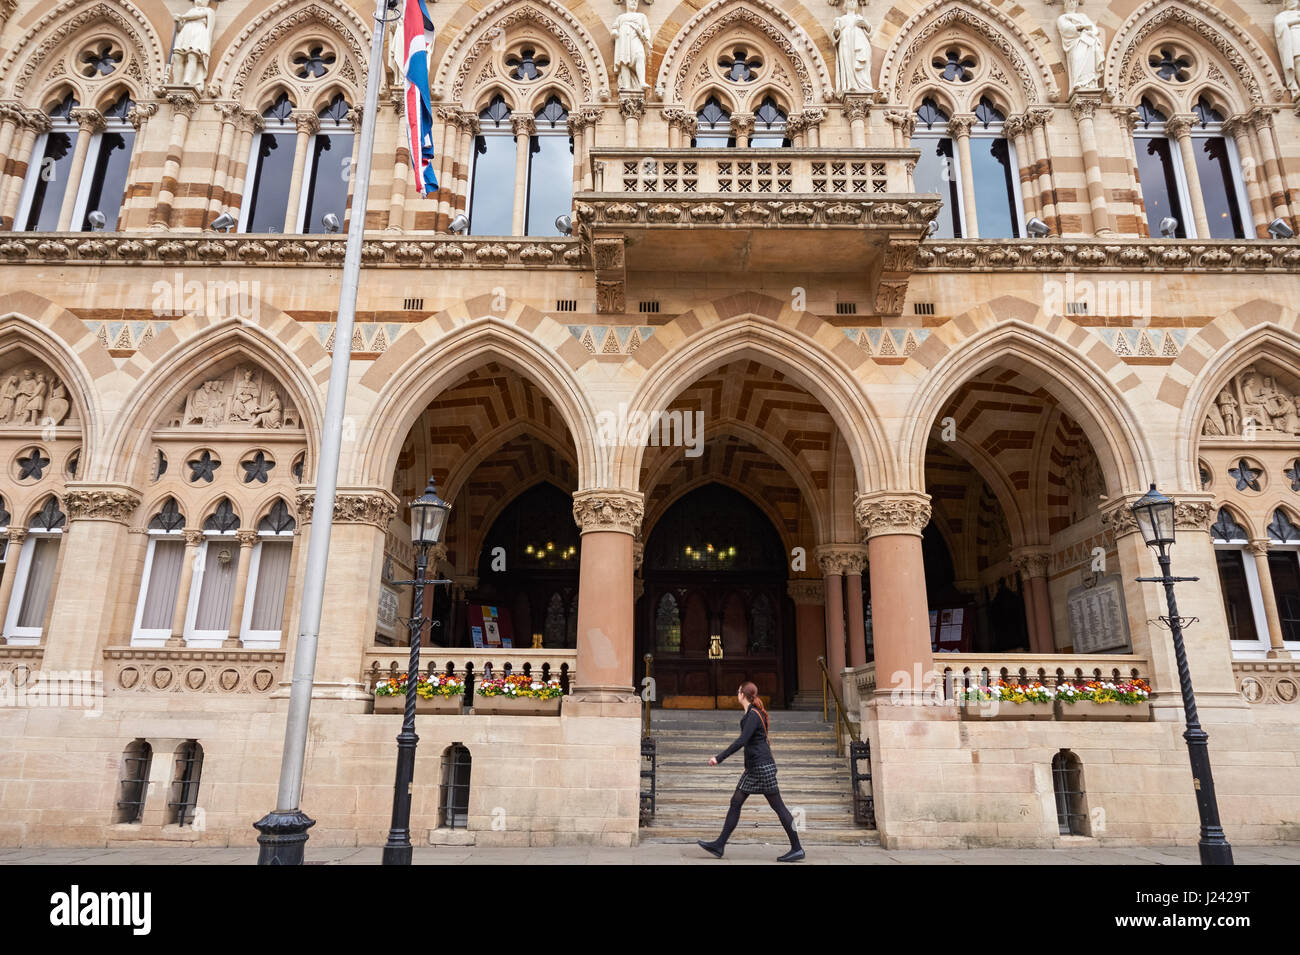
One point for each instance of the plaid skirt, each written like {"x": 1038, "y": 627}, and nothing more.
{"x": 760, "y": 779}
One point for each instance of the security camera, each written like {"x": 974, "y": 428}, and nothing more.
{"x": 330, "y": 221}
{"x": 98, "y": 220}
{"x": 1280, "y": 230}
{"x": 933, "y": 227}
{"x": 1168, "y": 227}
{"x": 458, "y": 224}
{"x": 223, "y": 223}
{"x": 1037, "y": 228}
{"x": 564, "y": 224}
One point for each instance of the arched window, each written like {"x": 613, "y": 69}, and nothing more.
{"x": 268, "y": 579}
{"x": 996, "y": 175}
{"x": 453, "y": 796}
{"x": 713, "y": 126}
{"x": 272, "y": 165}
{"x": 937, "y": 170}
{"x": 160, "y": 583}
{"x": 550, "y": 169}
{"x": 108, "y": 160}
{"x": 325, "y": 191}
{"x": 38, "y": 560}
{"x": 492, "y": 190}
{"x": 1238, "y": 582}
{"x": 769, "y": 125}
{"x": 1218, "y": 168}
{"x": 1067, "y": 785}
{"x": 185, "y": 783}
{"x": 1284, "y": 571}
{"x": 212, "y": 590}
{"x": 668, "y": 626}
{"x": 48, "y": 174}
{"x": 133, "y": 782}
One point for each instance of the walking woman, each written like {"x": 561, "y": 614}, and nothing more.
{"x": 759, "y": 775}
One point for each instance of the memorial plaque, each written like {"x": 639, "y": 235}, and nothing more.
{"x": 1098, "y": 620}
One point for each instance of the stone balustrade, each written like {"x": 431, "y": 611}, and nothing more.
{"x": 382, "y": 663}
{"x": 977, "y": 669}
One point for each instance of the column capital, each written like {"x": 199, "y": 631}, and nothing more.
{"x": 631, "y": 105}
{"x": 1259, "y": 547}
{"x": 742, "y": 124}
{"x": 1038, "y": 116}
{"x": 903, "y": 119}
{"x": 609, "y": 509}
{"x": 100, "y": 502}
{"x": 12, "y": 111}
{"x": 306, "y": 121}
{"x": 857, "y": 105}
{"x": 1180, "y": 124}
{"x": 141, "y": 113}
{"x": 1031, "y": 562}
{"x": 182, "y": 101}
{"x": 88, "y": 120}
{"x": 193, "y": 538}
{"x": 251, "y": 121}
{"x": 246, "y": 537}
{"x": 1084, "y": 104}
{"x": 1014, "y": 125}
{"x": 228, "y": 110}
{"x": 807, "y": 591}
{"x": 353, "y": 506}
{"x": 814, "y": 115}
{"x": 523, "y": 124}
{"x": 1193, "y": 515}
{"x": 17, "y": 535}
{"x": 959, "y": 126}
{"x": 37, "y": 120}
{"x": 842, "y": 559}
{"x": 354, "y": 117}
{"x": 1117, "y": 516}
{"x": 885, "y": 512}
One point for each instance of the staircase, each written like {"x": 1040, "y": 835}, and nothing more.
{"x": 693, "y": 796}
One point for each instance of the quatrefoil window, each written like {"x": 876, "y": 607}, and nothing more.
{"x": 1171, "y": 64}
{"x": 257, "y": 468}
{"x": 32, "y": 465}
{"x": 955, "y": 65}
{"x": 1247, "y": 478}
{"x": 203, "y": 468}
{"x": 1293, "y": 474}
{"x": 527, "y": 65}
{"x": 740, "y": 65}
{"x": 100, "y": 60}
{"x": 313, "y": 63}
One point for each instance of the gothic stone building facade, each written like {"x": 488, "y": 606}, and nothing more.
{"x": 898, "y": 426}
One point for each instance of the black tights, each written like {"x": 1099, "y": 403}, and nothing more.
{"x": 774, "y": 800}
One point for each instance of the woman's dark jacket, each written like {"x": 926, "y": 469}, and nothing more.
{"x": 753, "y": 736}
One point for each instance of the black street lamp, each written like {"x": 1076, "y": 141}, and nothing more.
{"x": 1155, "y": 518}
{"x": 428, "y": 518}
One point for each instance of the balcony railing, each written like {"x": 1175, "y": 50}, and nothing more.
{"x": 382, "y": 663}
{"x": 965, "y": 670}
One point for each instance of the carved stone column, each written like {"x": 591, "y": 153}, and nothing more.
{"x": 900, "y": 613}
{"x": 742, "y": 127}
{"x": 1180, "y": 128}
{"x": 193, "y": 540}
{"x": 809, "y": 598}
{"x": 34, "y": 123}
{"x": 632, "y": 107}
{"x": 1128, "y": 119}
{"x": 89, "y": 122}
{"x": 183, "y": 103}
{"x": 1036, "y": 121}
{"x": 813, "y": 117}
{"x": 246, "y": 539}
{"x": 1276, "y": 648}
{"x": 1083, "y": 105}
{"x": 308, "y": 125}
{"x": 1032, "y": 565}
{"x": 16, "y": 537}
{"x": 446, "y": 157}
{"x": 12, "y": 118}
{"x": 248, "y": 123}
{"x": 832, "y": 564}
{"x": 591, "y": 118}
{"x": 857, "y": 106}
{"x": 84, "y": 602}
{"x": 610, "y": 520}
{"x": 959, "y": 128}
{"x": 524, "y": 126}
{"x": 1261, "y": 120}
{"x": 1016, "y": 131}
{"x": 1239, "y": 129}
{"x": 223, "y": 160}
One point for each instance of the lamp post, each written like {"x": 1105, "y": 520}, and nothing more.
{"x": 1155, "y": 518}
{"x": 428, "y": 518}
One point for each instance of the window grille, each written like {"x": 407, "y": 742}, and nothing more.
{"x": 1067, "y": 782}
{"x": 185, "y": 782}
{"x": 648, "y": 307}
{"x": 134, "y": 784}
{"x": 453, "y": 801}
{"x": 846, "y": 308}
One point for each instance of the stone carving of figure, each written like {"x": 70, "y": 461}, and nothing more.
{"x": 1279, "y": 406}
{"x": 852, "y": 35}
{"x": 31, "y": 399}
{"x": 193, "y": 45}
{"x": 57, "y": 409}
{"x": 205, "y": 404}
{"x": 1253, "y": 396}
{"x": 1083, "y": 45}
{"x": 8, "y": 395}
{"x": 269, "y": 415}
{"x": 243, "y": 403}
{"x": 631, "y": 32}
{"x": 1286, "y": 30}
{"x": 1228, "y": 412}
{"x": 396, "y": 63}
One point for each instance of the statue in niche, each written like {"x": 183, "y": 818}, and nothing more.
{"x": 245, "y": 397}
{"x": 30, "y": 400}
{"x": 32, "y": 397}
{"x": 631, "y": 33}
{"x": 1286, "y": 30}
{"x": 57, "y": 408}
{"x": 270, "y": 415}
{"x": 193, "y": 45}
{"x": 1084, "y": 49}
{"x": 852, "y": 35}
{"x": 8, "y": 395}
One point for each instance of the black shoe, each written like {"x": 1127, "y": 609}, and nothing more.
{"x": 794, "y": 855}
{"x": 710, "y": 848}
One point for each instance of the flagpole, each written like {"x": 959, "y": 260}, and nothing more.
{"x": 283, "y": 831}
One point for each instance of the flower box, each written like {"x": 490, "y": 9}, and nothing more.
{"x": 1003, "y": 710}
{"x": 517, "y": 706}
{"x": 423, "y": 706}
{"x": 1089, "y": 710}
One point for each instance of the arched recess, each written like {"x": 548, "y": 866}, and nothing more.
{"x": 798, "y": 358}
{"x": 175, "y": 372}
{"x": 661, "y": 507}
{"x": 1203, "y": 23}
{"x": 811, "y": 83}
{"x": 471, "y": 50}
{"x": 410, "y": 387}
{"x": 70, "y": 22}
{"x": 1270, "y": 342}
{"x": 1074, "y": 381}
{"x": 991, "y": 27}
{"x": 248, "y": 63}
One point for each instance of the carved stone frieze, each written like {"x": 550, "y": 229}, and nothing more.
{"x": 108, "y": 503}
{"x": 353, "y": 507}
{"x": 244, "y": 398}
{"x": 1259, "y": 400}
{"x": 881, "y": 514}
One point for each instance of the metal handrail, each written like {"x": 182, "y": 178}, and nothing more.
{"x": 842, "y": 725}
{"x": 646, "y": 696}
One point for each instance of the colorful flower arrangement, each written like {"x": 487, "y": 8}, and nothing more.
{"x": 521, "y": 686}
{"x": 438, "y": 684}
{"x": 1003, "y": 692}
{"x": 1095, "y": 691}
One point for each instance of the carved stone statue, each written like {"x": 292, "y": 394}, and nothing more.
{"x": 1286, "y": 30}
{"x": 269, "y": 415}
{"x": 244, "y": 397}
{"x": 852, "y": 35}
{"x": 32, "y": 397}
{"x": 631, "y": 32}
{"x": 1084, "y": 47}
{"x": 244, "y": 400}
{"x": 30, "y": 400}
{"x": 395, "y": 63}
{"x": 1254, "y": 401}
{"x": 8, "y": 395}
{"x": 193, "y": 45}
{"x": 57, "y": 407}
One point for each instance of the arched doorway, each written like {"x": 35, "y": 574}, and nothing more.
{"x": 714, "y": 611}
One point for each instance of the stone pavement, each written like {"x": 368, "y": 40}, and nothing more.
{"x": 657, "y": 854}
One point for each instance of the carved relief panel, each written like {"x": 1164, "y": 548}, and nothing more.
{"x": 1262, "y": 400}
{"x": 242, "y": 398}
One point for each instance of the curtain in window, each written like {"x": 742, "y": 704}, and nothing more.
{"x": 272, "y": 582}
{"x": 40, "y": 579}
{"x": 217, "y": 590}
{"x": 1236, "y": 596}
{"x": 164, "y": 580}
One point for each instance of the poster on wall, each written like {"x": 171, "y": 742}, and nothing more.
{"x": 490, "y": 626}
{"x": 1098, "y": 620}
{"x": 386, "y": 621}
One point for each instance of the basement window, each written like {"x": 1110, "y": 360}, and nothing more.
{"x": 185, "y": 783}
{"x": 1071, "y": 804}
{"x": 133, "y": 784}
{"x": 453, "y": 800}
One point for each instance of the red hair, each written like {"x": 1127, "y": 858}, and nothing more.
{"x": 750, "y": 692}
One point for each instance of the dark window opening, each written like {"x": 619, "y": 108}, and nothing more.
{"x": 1236, "y": 596}
{"x": 453, "y": 800}
{"x": 134, "y": 784}
{"x": 1071, "y": 804}
{"x": 185, "y": 783}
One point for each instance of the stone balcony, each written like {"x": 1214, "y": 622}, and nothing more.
{"x": 770, "y": 211}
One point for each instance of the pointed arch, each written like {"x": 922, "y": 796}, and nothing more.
{"x": 466, "y": 48}
{"x": 72, "y": 18}
{"x": 1020, "y": 46}
{"x": 240, "y": 69}
{"x": 1078, "y": 385}
{"x": 812, "y": 78}
{"x": 175, "y": 371}
{"x": 1208, "y": 26}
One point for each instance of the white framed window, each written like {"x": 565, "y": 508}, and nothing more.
{"x": 49, "y": 170}
{"x": 1243, "y": 600}
{"x": 492, "y": 176}
{"x": 770, "y": 122}
{"x": 1284, "y": 569}
{"x": 212, "y": 588}
{"x": 328, "y": 170}
{"x": 996, "y": 172}
{"x": 160, "y": 582}
{"x": 550, "y": 169}
{"x": 270, "y": 165}
{"x": 34, "y": 581}
{"x": 938, "y": 170}
{"x": 1218, "y": 167}
{"x": 713, "y": 126}
{"x": 268, "y": 580}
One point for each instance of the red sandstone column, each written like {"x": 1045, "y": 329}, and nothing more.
{"x": 1038, "y": 601}
{"x": 610, "y": 520}
{"x": 853, "y": 605}
{"x": 900, "y": 614}
{"x": 809, "y": 598}
{"x": 832, "y": 567}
